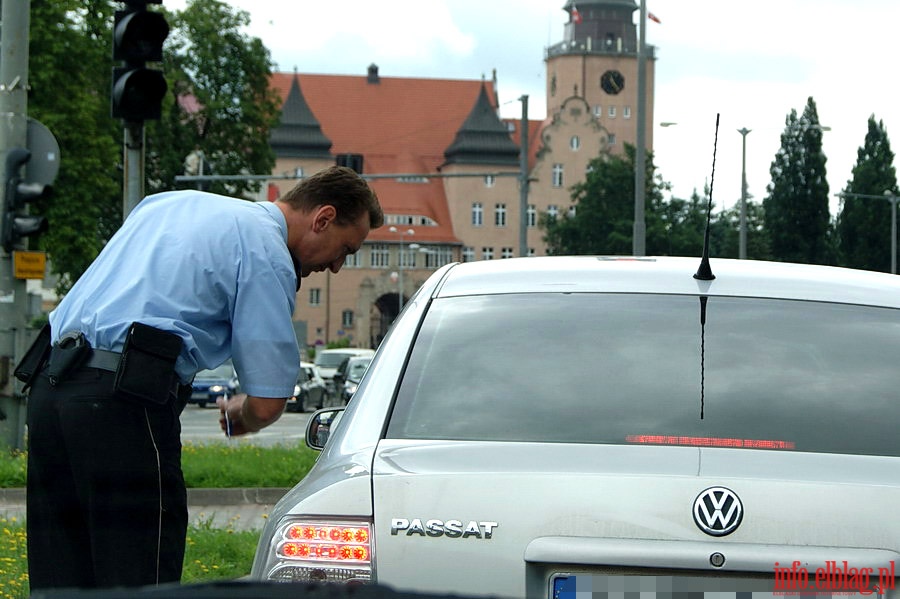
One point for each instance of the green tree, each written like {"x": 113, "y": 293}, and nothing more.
{"x": 796, "y": 205}
{"x": 604, "y": 210}
{"x": 725, "y": 233}
{"x": 678, "y": 227}
{"x": 864, "y": 222}
{"x": 221, "y": 100}
{"x": 69, "y": 75}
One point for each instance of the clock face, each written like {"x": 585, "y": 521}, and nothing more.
{"x": 612, "y": 82}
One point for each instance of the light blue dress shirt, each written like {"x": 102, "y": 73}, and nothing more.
{"x": 214, "y": 270}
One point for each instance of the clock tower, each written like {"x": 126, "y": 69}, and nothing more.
{"x": 598, "y": 61}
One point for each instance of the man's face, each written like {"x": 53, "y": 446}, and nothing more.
{"x": 329, "y": 244}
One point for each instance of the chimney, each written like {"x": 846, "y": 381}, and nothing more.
{"x": 373, "y": 73}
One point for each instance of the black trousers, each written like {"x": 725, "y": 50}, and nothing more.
{"x": 106, "y": 501}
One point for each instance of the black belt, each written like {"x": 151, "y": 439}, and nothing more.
{"x": 104, "y": 360}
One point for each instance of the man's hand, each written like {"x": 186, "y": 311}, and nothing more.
{"x": 242, "y": 414}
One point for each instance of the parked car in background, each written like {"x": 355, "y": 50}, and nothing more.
{"x": 328, "y": 361}
{"x": 309, "y": 392}
{"x": 211, "y": 384}
{"x": 531, "y": 422}
{"x": 353, "y": 370}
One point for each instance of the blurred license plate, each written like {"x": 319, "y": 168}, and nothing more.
{"x": 572, "y": 586}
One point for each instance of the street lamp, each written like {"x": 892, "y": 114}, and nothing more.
{"x": 889, "y": 196}
{"x": 400, "y": 265}
{"x": 742, "y": 231}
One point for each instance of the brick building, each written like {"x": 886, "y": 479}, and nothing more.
{"x": 447, "y": 168}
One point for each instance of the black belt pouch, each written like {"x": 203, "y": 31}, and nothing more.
{"x": 30, "y": 364}
{"x": 147, "y": 368}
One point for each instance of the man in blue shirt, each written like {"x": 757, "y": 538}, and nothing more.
{"x": 207, "y": 278}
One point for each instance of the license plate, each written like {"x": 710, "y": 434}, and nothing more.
{"x": 577, "y": 586}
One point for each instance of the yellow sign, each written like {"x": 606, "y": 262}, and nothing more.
{"x": 29, "y": 265}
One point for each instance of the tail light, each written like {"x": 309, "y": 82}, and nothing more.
{"x": 313, "y": 550}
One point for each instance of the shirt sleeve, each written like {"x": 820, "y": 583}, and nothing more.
{"x": 264, "y": 345}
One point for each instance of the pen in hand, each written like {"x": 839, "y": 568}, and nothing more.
{"x": 228, "y": 428}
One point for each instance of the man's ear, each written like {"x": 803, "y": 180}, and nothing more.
{"x": 323, "y": 217}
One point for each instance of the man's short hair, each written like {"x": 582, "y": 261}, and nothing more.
{"x": 342, "y": 188}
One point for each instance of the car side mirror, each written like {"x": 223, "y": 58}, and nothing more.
{"x": 320, "y": 426}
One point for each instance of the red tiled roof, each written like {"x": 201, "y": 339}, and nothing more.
{"x": 399, "y": 125}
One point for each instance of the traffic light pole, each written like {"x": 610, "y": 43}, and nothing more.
{"x": 14, "y": 27}
{"x": 133, "y": 189}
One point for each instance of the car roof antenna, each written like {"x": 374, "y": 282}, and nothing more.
{"x": 704, "y": 273}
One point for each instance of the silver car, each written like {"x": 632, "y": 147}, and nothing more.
{"x": 539, "y": 426}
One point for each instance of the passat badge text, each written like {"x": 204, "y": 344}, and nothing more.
{"x": 443, "y": 528}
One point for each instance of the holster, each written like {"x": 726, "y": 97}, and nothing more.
{"x": 66, "y": 355}
{"x": 147, "y": 369}
{"x": 35, "y": 356}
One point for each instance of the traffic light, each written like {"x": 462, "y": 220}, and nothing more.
{"x": 17, "y": 225}
{"x": 138, "y": 36}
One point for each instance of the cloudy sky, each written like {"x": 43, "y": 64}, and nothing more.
{"x": 750, "y": 62}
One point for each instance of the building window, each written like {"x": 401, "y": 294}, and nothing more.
{"x": 489, "y": 180}
{"x": 611, "y": 112}
{"x": 500, "y": 215}
{"x": 506, "y": 253}
{"x": 575, "y": 143}
{"x": 298, "y": 172}
{"x": 477, "y": 214}
{"x": 626, "y": 112}
{"x": 353, "y": 260}
{"x": 381, "y": 255}
{"x": 611, "y": 139}
{"x": 531, "y": 215}
{"x": 438, "y": 256}
{"x": 487, "y": 253}
{"x": 407, "y": 256}
{"x": 553, "y": 211}
{"x": 315, "y": 296}
{"x": 530, "y": 252}
{"x": 468, "y": 254}
{"x": 598, "y": 111}
{"x": 557, "y": 175}
{"x": 347, "y": 319}
{"x": 572, "y": 211}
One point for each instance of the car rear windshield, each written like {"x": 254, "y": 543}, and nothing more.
{"x": 633, "y": 369}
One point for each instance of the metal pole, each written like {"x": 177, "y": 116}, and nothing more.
{"x": 894, "y": 234}
{"x": 639, "y": 242}
{"x": 742, "y": 243}
{"x": 400, "y": 266}
{"x": 523, "y": 180}
{"x": 400, "y": 278}
{"x": 134, "y": 167}
{"x": 14, "y": 33}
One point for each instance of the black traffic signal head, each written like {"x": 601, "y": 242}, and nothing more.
{"x": 138, "y": 36}
{"x": 18, "y": 194}
{"x": 137, "y": 94}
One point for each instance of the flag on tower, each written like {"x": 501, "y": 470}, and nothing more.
{"x": 653, "y": 18}
{"x": 576, "y": 16}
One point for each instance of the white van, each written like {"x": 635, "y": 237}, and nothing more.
{"x": 328, "y": 360}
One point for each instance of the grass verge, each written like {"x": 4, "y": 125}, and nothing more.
{"x": 213, "y": 465}
{"x": 210, "y": 554}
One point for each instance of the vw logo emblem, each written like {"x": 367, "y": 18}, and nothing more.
{"x": 718, "y": 511}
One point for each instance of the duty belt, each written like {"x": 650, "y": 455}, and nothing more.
{"x": 103, "y": 360}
